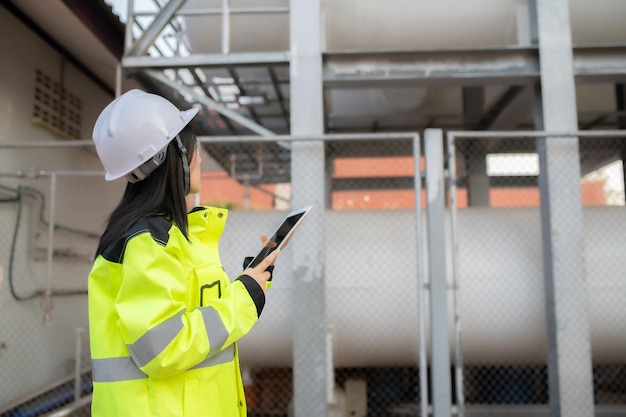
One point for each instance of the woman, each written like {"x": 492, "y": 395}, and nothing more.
{"x": 164, "y": 318}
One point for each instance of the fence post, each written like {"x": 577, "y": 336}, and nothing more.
{"x": 440, "y": 346}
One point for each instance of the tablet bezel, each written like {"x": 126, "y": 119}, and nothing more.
{"x": 302, "y": 213}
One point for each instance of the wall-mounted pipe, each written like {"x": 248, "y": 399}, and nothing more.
{"x": 78, "y": 365}
{"x": 47, "y": 302}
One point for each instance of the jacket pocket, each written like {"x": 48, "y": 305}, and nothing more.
{"x": 207, "y": 283}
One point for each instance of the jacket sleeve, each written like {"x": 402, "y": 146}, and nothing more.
{"x": 164, "y": 337}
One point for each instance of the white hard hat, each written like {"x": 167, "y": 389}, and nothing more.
{"x": 134, "y": 129}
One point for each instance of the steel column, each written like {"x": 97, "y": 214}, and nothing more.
{"x": 440, "y": 347}
{"x": 569, "y": 357}
{"x": 475, "y": 153}
{"x": 310, "y": 392}
{"x": 620, "y": 104}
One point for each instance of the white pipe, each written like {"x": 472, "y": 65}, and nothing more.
{"x": 47, "y": 303}
{"x": 78, "y": 364}
{"x": 330, "y": 368}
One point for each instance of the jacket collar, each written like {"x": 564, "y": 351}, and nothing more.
{"x": 207, "y": 223}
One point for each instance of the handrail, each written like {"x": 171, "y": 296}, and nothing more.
{"x": 42, "y": 391}
{"x": 71, "y": 407}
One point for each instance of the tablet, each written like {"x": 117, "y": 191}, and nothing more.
{"x": 282, "y": 235}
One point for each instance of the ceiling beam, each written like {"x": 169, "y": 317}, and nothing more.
{"x": 464, "y": 67}
{"x": 207, "y": 60}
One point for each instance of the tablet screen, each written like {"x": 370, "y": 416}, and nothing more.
{"x": 281, "y": 235}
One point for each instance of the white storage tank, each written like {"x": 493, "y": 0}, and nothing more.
{"x": 399, "y": 24}
{"x": 371, "y": 287}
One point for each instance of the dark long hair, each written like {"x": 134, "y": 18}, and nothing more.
{"x": 161, "y": 193}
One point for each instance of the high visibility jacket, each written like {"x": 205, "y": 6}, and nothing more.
{"x": 164, "y": 319}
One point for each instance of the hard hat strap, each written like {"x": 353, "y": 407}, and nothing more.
{"x": 183, "y": 153}
{"x": 141, "y": 172}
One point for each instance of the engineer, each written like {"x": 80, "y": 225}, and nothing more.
{"x": 164, "y": 318}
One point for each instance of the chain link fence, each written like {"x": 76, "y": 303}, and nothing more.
{"x": 603, "y": 222}
{"x": 371, "y": 274}
{"x": 500, "y": 258}
{"x": 371, "y": 325}
{"x": 44, "y": 356}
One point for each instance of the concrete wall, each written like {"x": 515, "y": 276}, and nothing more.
{"x": 35, "y": 354}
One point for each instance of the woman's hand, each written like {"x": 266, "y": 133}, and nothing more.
{"x": 263, "y": 271}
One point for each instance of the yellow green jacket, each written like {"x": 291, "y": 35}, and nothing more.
{"x": 164, "y": 320}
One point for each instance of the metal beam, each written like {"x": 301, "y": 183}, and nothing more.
{"x": 600, "y": 63}
{"x": 150, "y": 35}
{"x": 407, "y": 183}
{"x": 206, "y": 90}
{"x": 620, "y": 104}
{"x": 474, "y": 150}
{"x": 464, "y": 67}
{"x": 431, "y": 67}
{"x": 207, "y": 60}
{"x": 473, "y": 98}
{"x": 373, "y": 183}
{"x": 502, "y": 107}
{"x": 233, "y": 115}
{"x": 279, "y": 95}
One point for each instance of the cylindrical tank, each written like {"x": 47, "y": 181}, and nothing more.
{"x": 371, "y": 287}
{"x": 398, "y": 24}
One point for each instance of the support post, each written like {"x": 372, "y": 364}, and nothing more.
{"x": 620, "y": 104}
{"x": 474, "y": 149}
{"x": 439, "y": 343}
{"x": 569, "y": 355}
{"x": 308, "y": 181}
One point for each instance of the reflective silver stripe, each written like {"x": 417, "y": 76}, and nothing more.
{"x": 124, "y": 369}
{"x": 148, "y": 346}
{"x": 154, "y": 341}
{"x": 215, "y": 329}
{"x": 225, "y": 356}
{"x": 115, "y": 369}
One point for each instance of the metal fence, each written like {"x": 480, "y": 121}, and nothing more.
{"x": 375, "y": 262}
{"x": 496, "y": 211}
{"x": 45, "y": 357}
{"x": 370, "y": 270}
